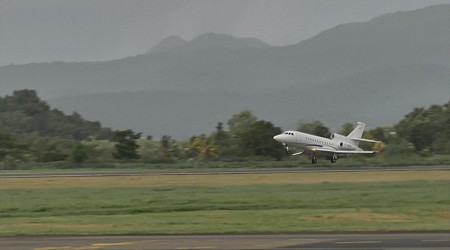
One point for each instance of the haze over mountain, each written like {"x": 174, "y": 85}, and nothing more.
{"x": 208, "y": 41}
{"x": 373, "y": 71}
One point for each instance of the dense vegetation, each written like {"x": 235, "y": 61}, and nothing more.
{"x": 24, "y": 113}
{"x": 31, "y": 132}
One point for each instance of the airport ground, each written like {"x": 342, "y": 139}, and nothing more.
{"x": 231, "y": 202}
{"x": 317, "y": 241}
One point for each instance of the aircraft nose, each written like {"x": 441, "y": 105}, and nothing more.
{"x": 277, "y": 137}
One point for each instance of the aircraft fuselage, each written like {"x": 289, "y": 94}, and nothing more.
{"x": 337, "y": 145}
{"x": 311, "y": 143}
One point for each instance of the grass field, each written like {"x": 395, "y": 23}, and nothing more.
{"x": 293, "y": 202}
{"x": 246, "y": 163}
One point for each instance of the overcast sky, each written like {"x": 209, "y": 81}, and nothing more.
{"x": 99, "y": 30}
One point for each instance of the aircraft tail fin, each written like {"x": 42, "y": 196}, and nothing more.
{"x": 356, "y": 134}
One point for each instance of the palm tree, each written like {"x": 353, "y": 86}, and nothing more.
{"x": 202, "y": 148}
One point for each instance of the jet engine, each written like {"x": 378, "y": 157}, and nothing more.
{"x": 343, "y": 142}
{"x": 337, "y": 137}
{"x": 346, "y": 146}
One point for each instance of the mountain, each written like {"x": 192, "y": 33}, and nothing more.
{"x": 168, "y": 44}
{"x": 407, "y": 37}
{"x": 205, "y": 42}
{"x": 419, "y": 36}
{"x": 376, "y": 97}
{"x": 373, "y": 71}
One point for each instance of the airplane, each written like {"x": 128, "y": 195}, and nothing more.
{"x": 337, "y": 145}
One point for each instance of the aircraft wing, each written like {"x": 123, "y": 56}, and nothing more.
{"x": 343, "y": 151}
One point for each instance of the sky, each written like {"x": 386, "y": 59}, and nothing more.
{"x": 101, "y": 30}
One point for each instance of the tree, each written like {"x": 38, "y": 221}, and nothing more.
{"x": 257, "y": 140}
{"x": 315, "y": 128}
{"x": 426, "y": 129}
{"x": 346, "y": 128}
{"x": 24, "y": 112}
{"x": 222, "y": 140}
{"x": 380, "y": 134}
{"x": 126, "y": 146}
{"x": 201, "y": 147}
{"x": 240, "y": 123}
{"x": 9, "y": 147}
{"x": 49, "y": 150}
{"x": 420, "y": 136}
{"x": 79, "y": 154}
{"x": 7, "y": 142}
{"x": 165, "y": 146}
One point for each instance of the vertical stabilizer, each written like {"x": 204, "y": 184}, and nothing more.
{"x": 357, "y": 132}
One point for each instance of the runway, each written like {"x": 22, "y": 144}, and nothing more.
{"x": 393, "y": 240}
{"x": 224, "y": 171}
{"x": 372, "y": 240}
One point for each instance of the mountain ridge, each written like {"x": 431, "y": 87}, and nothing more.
{"x": 349, "y": 67}
{"x": 206, "y": 41}
{"x": 167, "y": 44}
{"x": 338, "y": 52}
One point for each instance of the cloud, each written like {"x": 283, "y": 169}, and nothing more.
{"x": 91, "y": 30}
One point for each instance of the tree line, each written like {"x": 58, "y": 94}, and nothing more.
{"x": 30, "y": 131}
{"x": 24, "y": 113}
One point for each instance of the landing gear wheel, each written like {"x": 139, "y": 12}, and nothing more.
{"x": 314, "y": 159}
{"x": 286, "y": 148}
{"x": 333, "y": 159}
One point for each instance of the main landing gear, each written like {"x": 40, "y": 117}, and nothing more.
{"x": 333, "y": 159}
{"x": 314, "y": 159}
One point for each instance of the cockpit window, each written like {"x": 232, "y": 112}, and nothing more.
{"x": 288, "y": 133}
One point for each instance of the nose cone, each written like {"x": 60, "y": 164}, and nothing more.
{"x": 277, "y": 138}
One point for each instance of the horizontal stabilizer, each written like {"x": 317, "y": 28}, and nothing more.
{"x": 365, "y": 140}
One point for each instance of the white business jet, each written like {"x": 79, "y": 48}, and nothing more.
{"x": 337, "y": 145}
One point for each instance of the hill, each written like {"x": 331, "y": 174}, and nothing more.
{"x": 25, "y": 113}
{"x": 373, "y": 71}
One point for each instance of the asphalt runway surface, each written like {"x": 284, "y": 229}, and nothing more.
{"x": 412, "y": 240}
{"x": 220, "y": 171}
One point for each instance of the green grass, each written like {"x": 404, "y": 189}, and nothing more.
{"x": 247, "y": 163}
{"x": 404, "y": 205}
